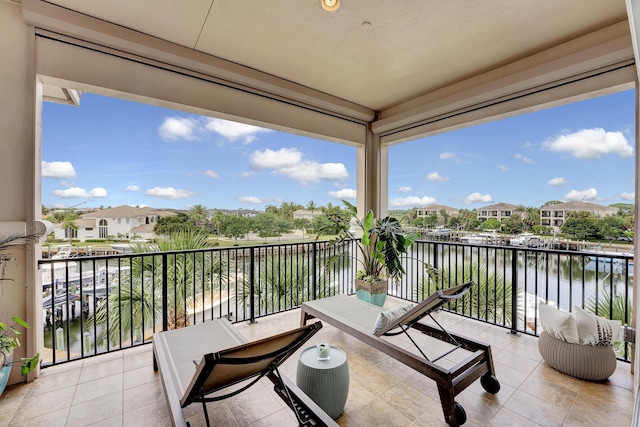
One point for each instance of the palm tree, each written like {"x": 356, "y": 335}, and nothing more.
{"x": 139, "y": 294}
{"x": 489, "y": 300}
{"x": 284, "y": 283}
{"x": 69, "y": 224}
{"x": 199, "y": 214}
{"x": 311, "y": 206}
{"x": 616, "y": 308}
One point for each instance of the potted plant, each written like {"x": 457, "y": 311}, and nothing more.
{"x": 8, "y": 342}
{"x": 382, "y": 245}
{"x": 9, "y": 334}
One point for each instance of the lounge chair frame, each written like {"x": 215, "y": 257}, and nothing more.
{"x": 232, "y": 360}
{"x": 357, "y": 318}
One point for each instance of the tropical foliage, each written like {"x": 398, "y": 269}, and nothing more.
{"x": 284, "y": 283}
{"x": 9, "y": 340}
{"x": 615, "y": 307}
{"x": 490, "y": 299}
{"x": 382, "y": 246}
{"x": 137, "y": 301}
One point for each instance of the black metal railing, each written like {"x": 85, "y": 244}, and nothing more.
{"x": 95, "y": 305}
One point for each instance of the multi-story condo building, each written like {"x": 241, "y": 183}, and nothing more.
{"x": 556, "y": 215}
{"x": 437, "y": 210}
{"x": 498, "y": 211}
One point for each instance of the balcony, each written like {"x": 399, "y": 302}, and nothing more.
{"x": 121, "y": 388}
{"x": 101, "y": 371}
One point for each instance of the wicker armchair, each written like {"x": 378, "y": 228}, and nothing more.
{"x": 587, "y": 362}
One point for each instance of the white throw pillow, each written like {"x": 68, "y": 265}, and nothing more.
{"x": 389, "y": 316}
{"x": 596, "y": 330}
{"x": 559, "y": 324}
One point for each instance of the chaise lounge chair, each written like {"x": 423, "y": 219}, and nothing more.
{"x": 200, "y": 360}
{"x": 358, "y": 318}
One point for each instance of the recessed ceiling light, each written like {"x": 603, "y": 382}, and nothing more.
{"x": 330, "y": 5}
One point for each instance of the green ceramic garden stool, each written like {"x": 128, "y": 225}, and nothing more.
{"x": 324, "y": 381}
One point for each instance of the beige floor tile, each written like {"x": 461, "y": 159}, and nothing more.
{"x": 155, "y": 414}
{"x": 96, "y": 410}
{"x": 55, "y": 418}
{"x": 253, "y": 405}
{"x": 142, "y": 395}
{"x": 110, "y": 422}
{"x": 121, "y": 388}
{"x": 507, "y": 418}
{"x": 54, "y": 382}
{"x": 138, "y": 376}
{"x": 378, "y": 413}
{"x": 41, "y": 404}
{"x": 404, "y": 399}
{"x": 537, "y": 410}
{"x": 281, "y": 418}
{"x": 97, "y": 388}
{"x": 98, "y": 370}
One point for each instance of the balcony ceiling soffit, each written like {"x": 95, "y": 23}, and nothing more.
{"x": 379, "y": 55}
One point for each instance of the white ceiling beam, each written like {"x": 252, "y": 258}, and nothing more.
{"x": 50, "y": 17}
{"x": 594, "y": 51}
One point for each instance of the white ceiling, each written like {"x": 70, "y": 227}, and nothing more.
{"x": 374, "y": 53}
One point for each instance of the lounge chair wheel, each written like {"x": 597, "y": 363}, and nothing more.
{"x": 490, "y": 383}
{"x": 460, "y": 414}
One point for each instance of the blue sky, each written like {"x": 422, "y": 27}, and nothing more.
{"x": 111, "y": 152}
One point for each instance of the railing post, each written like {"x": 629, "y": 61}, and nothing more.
{"x": 514, "y": 292}
{"x": 252, "y": 291}
{"x": 165, "y": 291}
{"x": 314, "y": 290}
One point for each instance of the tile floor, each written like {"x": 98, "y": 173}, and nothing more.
{"x": 121, "y": 389}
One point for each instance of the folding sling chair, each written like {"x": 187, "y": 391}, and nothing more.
{"x": 358, "y": 319}
{"x": 213, "y": 361}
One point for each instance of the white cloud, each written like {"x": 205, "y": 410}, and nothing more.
{"x": 308, "y": 171}
{"x": 270, "y": 159}
{"x": 251, "y": 199}
{"x": 591, "y": 144}
{"x": 345, "y": 193}
{"x": 233, "y": 131}
{"x": 132, "y": 188}
{"x": 405, "y": 190}
{"x": 289, "y": 162}
{"x": 411, "y": 201}
{"x": 58, "y": 170}
{"x": 524, "y": 159}
{"x": 77, "y": 192}
{"x": 447, "y": 155}
{"x": 211, "y": 174}
{"x": 556, "y": 182}
{"x": 168, "y": 193}
{"x": 503, "y": 168}
{"x": 435, "y": 176}
{"x": 477, "y": 198}
{"x": 581, "y": 196}
{"x": 175, "y": 128}
{"x": 628, "y": 196}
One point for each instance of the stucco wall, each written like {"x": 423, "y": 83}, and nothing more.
{"x": 17, "y": 170}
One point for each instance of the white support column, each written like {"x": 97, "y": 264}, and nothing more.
{"x": 633, "y": 13}
{"x": 20, "y": 195}
{"x": 372, "y": 168}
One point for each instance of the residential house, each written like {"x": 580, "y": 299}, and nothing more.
{"x": 305, "y": 214}
{"x": 556, "y": 215}
{"x": 122, "y": 222}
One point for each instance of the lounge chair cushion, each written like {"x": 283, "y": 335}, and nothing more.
{"x": 595, "y": 330}
{"x": 389, "y": 316}
{"x": 559, "y": 324}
